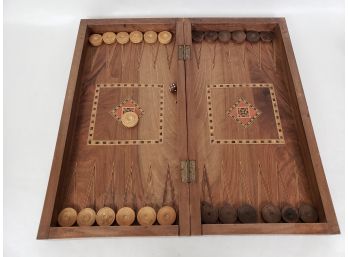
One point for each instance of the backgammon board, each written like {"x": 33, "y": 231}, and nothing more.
{"x": 185, "y": 127}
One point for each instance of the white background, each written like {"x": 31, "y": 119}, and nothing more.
{"x": 39, "y": 39}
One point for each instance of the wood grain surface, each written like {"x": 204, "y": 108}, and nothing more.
{"x": 239, "y": 112}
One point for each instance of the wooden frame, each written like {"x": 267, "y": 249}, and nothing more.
{"x": 189, "y": 214}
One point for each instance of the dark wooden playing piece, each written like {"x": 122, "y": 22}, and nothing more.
{"x": 271, "y": 213}
{"x": 197, "y": 36}
{"x": 210, "y": 36}
{"x": 224, "y": 36}
{"x": 267, "y": 36}
{"x": 252, "y": 36}
{"x": 209, "y": 213}
{"x": 238, "y": 36}
{"x": 247, "y": 214}
{"x": 289, "y": 214}
{"x": 308, "y": 213}
{"x": 227, "y": 214}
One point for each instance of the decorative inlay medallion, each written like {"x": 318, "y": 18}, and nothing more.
{"x": 246, "y": 114}
{"x": 243, "y": 112}
{"x": 128, "y": 105}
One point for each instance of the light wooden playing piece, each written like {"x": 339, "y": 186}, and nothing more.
{"x": 150, "y": 37}
{"x": 146, "y": 216}
{"x": 86, "y": 217}
{"x": 105, "y": 216}
{"x": 122, "y": 38}
{"x": 95, "y": 39}
{"x": 164, "y": 37}
{"x": 109, "y": 38}
{"x": 129, "y": 119}
{"x": 67, "y": 217}
{"x": 136, "y": 37}
{"x": 125, "y": 216}
{"x": 166, "y": 215}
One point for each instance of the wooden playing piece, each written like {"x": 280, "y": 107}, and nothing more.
{"x": 238, "y": 36}
{"x": 129, "y": 119}
{"x": 197, "y": 36}
{"x": 95, "y": 39}
{"x": 136, "y": 37}
{"x": 150, "y": 37}
{"x": 209, "y": 213}
{"x": 86, "y": 217}
{"x": 247, "y": 214}
{"x": 109, "y": 38}
{"x": 67, "y": 217}
{"x": 271, "y": 213}
{"x": 227, "y": 214}
{"x": 252, "y": 36}
{"x": 125, "y": 216}
{"x": 289, "y": 214}
{"x": 166, "y": 215}
{"x": 164, "y": 37}
{"x": 308, "y": 213}
{"x": 210, "y": 36}
{"x": 267, "y": 36}
{"x": 224, "y": 36}
{"x": 146, "y": 216}
{"x": 122, "y": 38}
{"x": 105, "y": 216}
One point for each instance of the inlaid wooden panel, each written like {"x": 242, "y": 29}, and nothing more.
{"x": 109, "y": 164}
{"x": 255, "y": 159}
{"x": 113, "y": 100}
{"x": 234, "y": 119}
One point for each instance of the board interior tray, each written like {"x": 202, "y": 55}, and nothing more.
{"x": 237, "y": 131}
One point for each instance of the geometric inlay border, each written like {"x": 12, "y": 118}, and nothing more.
{"x": 213, "y": 140}
{"x": 98, "y": 88}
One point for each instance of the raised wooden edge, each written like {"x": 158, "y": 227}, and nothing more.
{"x": 48, "y": 207}
{"x": 184, "y": 188}
{"x": 309, "y": 133}
{"x": 143, "y": 24}
{"x": 235, "y": 23}
{"x": 113, "y": 231}
{"x": 265, "y": 228}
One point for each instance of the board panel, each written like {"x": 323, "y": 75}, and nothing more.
{"x": 114, "y": 166}
{"x": 244, "y": 132}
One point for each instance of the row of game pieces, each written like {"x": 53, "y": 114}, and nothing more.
{"x": 238, "y": 36}
{"x": 136, "y": 37}
{"x": 125, "y": 216}
{"x": 246, "y": 213}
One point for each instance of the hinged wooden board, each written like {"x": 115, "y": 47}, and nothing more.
{"x": 235, "y": 131}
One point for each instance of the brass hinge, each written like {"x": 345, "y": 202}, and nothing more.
{"x": 188, "y": 171}
{"x": 184, "y": 52}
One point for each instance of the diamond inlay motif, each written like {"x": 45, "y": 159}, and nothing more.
{"x": 128, "y": 105}
{"x": 243, "y": 112}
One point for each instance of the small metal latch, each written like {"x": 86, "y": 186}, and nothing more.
{"x": 184, "y": 52}
{"x": 188, "y": 171}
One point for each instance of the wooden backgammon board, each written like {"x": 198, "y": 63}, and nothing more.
{"x": 185, "y": 127}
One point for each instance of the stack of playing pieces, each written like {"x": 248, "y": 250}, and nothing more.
{"x": 86, "y": 217}
{"x": 136, "y": 37}
{"x": 125, "y": 216}
{"x": 67, "y": 217}
{"x": 166, "y": 215}
{"x": 105, "y": 216}
{"x": 146, "y": 216}
{"x": 209, "y": 213}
